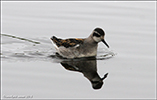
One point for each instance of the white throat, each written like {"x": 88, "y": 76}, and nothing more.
{"x": 97, "y": 39}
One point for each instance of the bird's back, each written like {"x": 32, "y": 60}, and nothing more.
{"x": 72, "y": 42}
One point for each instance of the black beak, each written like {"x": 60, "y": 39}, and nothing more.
{"x": 105, "y": 76}
{"x": 105, "y": 43}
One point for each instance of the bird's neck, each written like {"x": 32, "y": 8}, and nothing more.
{"x": 91, "y": 40}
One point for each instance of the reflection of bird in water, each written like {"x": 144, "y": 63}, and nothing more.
{"x": 89, "y": 70}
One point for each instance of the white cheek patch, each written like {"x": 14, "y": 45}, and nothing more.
{"x": 97, "y": 39}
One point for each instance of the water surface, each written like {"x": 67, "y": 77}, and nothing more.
{"x": 31, "y": 69}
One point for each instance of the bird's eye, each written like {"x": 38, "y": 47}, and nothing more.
{"x": 96, "y": 34}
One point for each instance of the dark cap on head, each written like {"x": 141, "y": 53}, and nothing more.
{"x": 97, "y": 85}
{"x": 100, "y": 31}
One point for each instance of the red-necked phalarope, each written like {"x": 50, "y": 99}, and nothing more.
{"x": 76, "y": 48}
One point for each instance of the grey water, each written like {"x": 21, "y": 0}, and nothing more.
{"x": 30, "y": 68}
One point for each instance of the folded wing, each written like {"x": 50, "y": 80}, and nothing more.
{"x": 67, "y": 42}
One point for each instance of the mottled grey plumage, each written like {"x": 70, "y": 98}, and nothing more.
{"x": 75, "y": 48}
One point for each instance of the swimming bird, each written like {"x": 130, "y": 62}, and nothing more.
{"x": 78, "y": 47}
